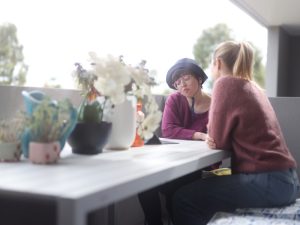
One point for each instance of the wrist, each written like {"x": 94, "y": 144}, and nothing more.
{"x": 199, "y": 136}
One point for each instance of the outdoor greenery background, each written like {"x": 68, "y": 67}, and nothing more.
{"x": 13, "y": 69}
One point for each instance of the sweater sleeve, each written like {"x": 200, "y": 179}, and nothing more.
{"x": 172, "y": 121}
{"x": 221, "y": 114}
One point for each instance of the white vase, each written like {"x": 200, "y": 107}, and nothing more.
{"x": 123, "y": 125}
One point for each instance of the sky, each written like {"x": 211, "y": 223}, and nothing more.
{"x": 57, "y": 33}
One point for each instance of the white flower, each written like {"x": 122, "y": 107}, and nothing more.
{"x": 140, "y": 116}
{"x": 112, "y": 89}
{"x": 112, "y": 75}
{"x": 139, "y": 75}
{"x": 111, "y": 68}
{"x": 142, "y": 90}
{"x": 149, "y": 125}
{"x": 112, "y": 79}
{"x": 151, "y": 122}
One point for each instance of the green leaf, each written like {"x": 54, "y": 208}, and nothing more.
{"x": 90, "y": 112}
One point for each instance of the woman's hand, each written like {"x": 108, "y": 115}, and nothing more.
{"x": 199, "y": 136}
{"x": 210, "y": 142}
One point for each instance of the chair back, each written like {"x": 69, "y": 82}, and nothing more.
{"x": 287, "y": 110}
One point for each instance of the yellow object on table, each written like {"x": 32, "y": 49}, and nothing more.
{"x": 222, "y": 171}
{"x": 216, "y": 172}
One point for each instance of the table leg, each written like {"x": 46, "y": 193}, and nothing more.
{"x": 111, "y": 215}
{"x": 69, "y": 213}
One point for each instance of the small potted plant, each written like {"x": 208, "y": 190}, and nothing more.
{"x": 91, "y": 131}
{"x": 46, "y": 126}
{"x": 111, "y": 88}
{"x": 10, "y": 137}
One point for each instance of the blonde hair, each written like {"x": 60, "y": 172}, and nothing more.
{"x": 238, "y": 57}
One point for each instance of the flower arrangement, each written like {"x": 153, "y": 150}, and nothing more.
{"x": 90, "y": 110}
{"x": 107, "y": 83}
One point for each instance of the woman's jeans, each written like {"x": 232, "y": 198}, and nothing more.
{"x": 196, "y": 203}
{"x": 150, "y": 199}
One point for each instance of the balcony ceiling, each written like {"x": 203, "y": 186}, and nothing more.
{"x": 285, "y": 13}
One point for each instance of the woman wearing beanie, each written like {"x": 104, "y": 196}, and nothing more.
{"x": 242, "y": 121}
{"x": 185, "y": 114}
{"x": 185, "y": 117}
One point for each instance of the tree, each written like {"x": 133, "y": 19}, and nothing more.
{"x": 208, "y": 41}
{"x": 258, "y": 68}
{"x": 13, "y": 70}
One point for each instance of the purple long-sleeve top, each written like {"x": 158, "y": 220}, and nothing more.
{"x": 178, "y": 121}
{"x": 243, "y": 121}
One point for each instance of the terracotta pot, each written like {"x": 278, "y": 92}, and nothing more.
{"x": 138, "y": 141}
{"x": 44, "y": 153}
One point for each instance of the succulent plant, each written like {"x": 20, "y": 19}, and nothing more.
{"x": 11, "y": 129}
{"x": 49, "y": 120}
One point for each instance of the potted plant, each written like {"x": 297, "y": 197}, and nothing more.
{"x": 46, "y": 126}
{"x": 91, "y": 131}
{"x": 110, "y": 88}
{"x": 10, "y": 137}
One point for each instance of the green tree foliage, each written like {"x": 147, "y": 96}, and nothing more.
{"x": 258, "y": 68}
{"x": 13, "y": 70}
{"x": 208, "y": 41}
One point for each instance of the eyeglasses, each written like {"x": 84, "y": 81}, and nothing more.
{"x": 184, "y": 79}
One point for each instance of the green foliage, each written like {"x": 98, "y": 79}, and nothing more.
{"x": 11, "y": 129}
{"x": 49, "y": 121}
{"x": 90, "y": 112}
{"x": 207, "y": 42}
{"x": 91, "y": 109}
{"x": 258, "y": 67}
{"x": 211, "y": 37}
{"x": 13, "y": 70}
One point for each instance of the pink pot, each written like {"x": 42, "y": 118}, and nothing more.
{"x": 44, "y": 153}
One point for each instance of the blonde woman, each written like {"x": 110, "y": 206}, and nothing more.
{"x": 241, "y": 120}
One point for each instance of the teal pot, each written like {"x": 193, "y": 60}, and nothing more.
{"x": 32, "y": 99}
{"x": 89, "y": 138}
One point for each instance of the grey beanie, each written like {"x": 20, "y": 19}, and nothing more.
{"x": 184, "y": 65}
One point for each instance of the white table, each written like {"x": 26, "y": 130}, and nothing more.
{"x": 83, "y": 183}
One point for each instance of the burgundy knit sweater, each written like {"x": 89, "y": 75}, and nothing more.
{"x": 242, "y": 120}
{"x": 178, "y": 121}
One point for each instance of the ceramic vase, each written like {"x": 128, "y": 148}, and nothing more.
{"x": 10, "y": 152}
{"x": 44, "y": 153}
{"x": 89, "y": 138}
{"x": 123, "y": 125}
{"x": 32, "y": 99}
